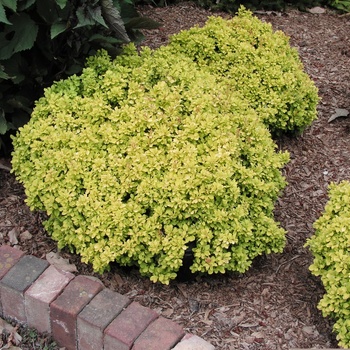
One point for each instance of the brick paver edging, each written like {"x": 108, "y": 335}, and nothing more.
{"x": 79, "y": 312}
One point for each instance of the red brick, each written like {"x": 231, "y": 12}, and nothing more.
{"x": 125, "y": 328}
{"x": 16, "y": 282}
{"x": 96, "y": 316}
{"x": 162, "y": 334}
{"x": 8, "y": 258}
{"x": 40, "y": 295}
{"x": 65, "y": 309}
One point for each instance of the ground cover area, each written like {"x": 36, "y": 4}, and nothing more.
{"x": 273, "y": 305}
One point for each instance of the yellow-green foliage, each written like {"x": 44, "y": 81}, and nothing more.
{"x": 140, "y": 156}
{"x": 143, "y": 156}
{"x": 330, "y": 247}
{"x": 251, "y": 58}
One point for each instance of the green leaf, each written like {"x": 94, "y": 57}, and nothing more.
{"x": 11, "y": 4}
{"x": 142, "y": 23}
{"x": 24, "y": 31}
{"x": 73, "y": 69}
{"x": 127, "y": 11}
{"x": 3, "y": 74}
{"x": 21, "y": 119}
{"x": 57, "y": 28}
{"x": 61, "y": 3}
{"x": 83, "y": 18}
{"x": 116, "y": 3}
{"x": 3, "y": 18}
{"x": 103, "y": 39}
{"x": 3, "y": 123}
{"x": 341, "y": 5}
{"x": 13, "y": 68}
{"x": 114, "y": 20}
{"x": 20, "y": 102}
{"x": 96, "y": 14}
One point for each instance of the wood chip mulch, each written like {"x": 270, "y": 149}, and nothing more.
{"x": 274, "y": 304}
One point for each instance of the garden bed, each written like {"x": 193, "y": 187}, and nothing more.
{"x": 273, "y": 305}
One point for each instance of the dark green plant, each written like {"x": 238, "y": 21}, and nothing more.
{"x": 342, "y": 5}
{"x": 46, "y": 40}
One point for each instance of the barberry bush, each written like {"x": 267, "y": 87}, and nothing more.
{"x": 250, "y": 57}
{"x": 146, "y": 155}
{"x": 330, "y": 248}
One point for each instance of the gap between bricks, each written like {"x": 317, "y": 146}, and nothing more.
{"x": 79, "y": 312}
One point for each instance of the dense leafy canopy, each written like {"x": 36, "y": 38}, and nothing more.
{"x": 143, "y": 156}
{"x": 330, "y": 248}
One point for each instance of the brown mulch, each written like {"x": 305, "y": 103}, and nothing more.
{"x": 274, "y": 304}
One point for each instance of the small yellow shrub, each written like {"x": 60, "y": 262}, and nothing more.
{"x": 143, "y": 156}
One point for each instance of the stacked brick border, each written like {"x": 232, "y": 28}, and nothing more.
{"x": 79, "y": 312}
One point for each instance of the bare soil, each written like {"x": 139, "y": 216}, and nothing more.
{"x": 274, "y": 304}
